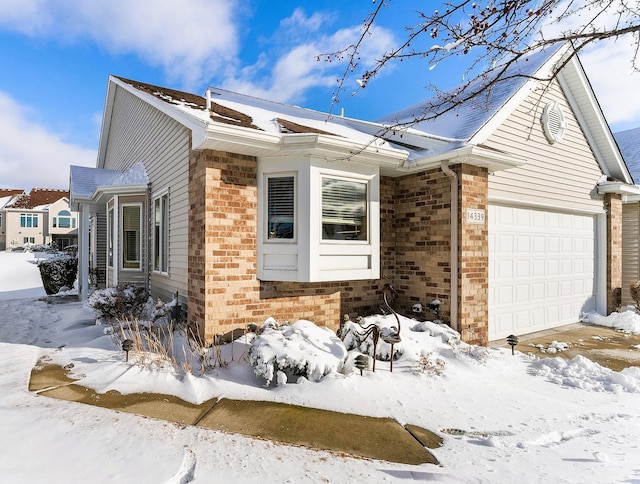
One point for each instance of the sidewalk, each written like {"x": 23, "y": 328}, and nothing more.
{"x": 368, "y": 437}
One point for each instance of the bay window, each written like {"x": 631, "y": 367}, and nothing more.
{"x": 318, "y": 220}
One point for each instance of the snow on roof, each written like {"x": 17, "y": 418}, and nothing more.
{"x": 629, "y": 145}
{"x": 85, "y": 181}
{"x": 37, "y": 198}
{"x": 464, "y": 120}
{"x": 251, "y": 112}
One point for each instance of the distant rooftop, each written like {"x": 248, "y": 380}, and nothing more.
{"x": 37, "y": 197}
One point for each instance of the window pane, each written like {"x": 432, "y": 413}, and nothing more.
{"x": 280, "y": 207}
{"x": 110, "y": 241}
{"x": 165, "y": 233}
{"x": 157, "y": 234}
{"x": 131, "y": 237}
{"x": 344, "y": 209}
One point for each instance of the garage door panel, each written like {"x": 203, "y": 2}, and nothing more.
{"x": 541, "y": 269}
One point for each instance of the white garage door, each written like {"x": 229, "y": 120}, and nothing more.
{"x": 541, "y": 269}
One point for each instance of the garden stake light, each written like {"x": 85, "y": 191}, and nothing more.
{"x": 361, "y": 362}
{"x": 127, "y": 345}
{"x": 512, "y": 339}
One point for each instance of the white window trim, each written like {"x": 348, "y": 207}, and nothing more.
{"x": 160, "y": 196}
{"x": 120, "y": 233}
{"x": 111, "y": 231}
{"x": 265, "y": 231}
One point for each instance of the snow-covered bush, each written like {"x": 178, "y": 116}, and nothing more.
{"x": 301, "y": 349}
{"x": 127, "y": 301}
{"x": 58, "y": 272}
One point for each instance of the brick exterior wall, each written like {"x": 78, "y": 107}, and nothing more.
{"x": 613, "y": 203}
{"x": 223, "y": 291}
{"x": 423, "y": 237}
{"x": 473, "y": 262}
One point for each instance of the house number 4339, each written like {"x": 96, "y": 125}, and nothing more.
{"x": 475, "y": 216}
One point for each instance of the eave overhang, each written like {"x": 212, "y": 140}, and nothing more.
{"x": 252, "y": 142}
{"x": 475, "y": 155}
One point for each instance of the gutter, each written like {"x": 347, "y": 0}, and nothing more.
{"x": 453, "y": 317}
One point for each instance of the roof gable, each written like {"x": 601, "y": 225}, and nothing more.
{"x": 463, "y": 121}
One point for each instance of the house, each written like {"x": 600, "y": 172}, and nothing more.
{"x": 505, "y": 210}
{"x": 629, "y": 144}
{"x": 42, "y": 216}
{"x": 6, "y": 196}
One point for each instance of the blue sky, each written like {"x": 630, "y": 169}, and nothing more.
{"x": 57, "y": 55}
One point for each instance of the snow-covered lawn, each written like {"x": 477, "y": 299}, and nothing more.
{"x": 516, "y": 418}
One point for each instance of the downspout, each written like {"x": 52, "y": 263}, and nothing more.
{"x": 454, "y": 243}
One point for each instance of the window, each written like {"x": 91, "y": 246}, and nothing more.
{"x": 0, "y": 220}
{"x": 161, "y": 233}
{"x": 28, "y": 240}
{"x": 344, "y": 209}
{"x": 280, "y": 207}
{"x": 131, "y": 236}
{"x": 110, "y": 237}
{"x": 64, "y": 219}
{"x": 28, "y": 220}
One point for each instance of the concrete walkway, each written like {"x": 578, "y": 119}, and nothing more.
{"x": 606, "y": 346}
{"x": 367, "y": 437}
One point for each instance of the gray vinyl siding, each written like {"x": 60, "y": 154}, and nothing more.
{"x": 141, "y": 133}
{"x": 630, "y": 248}
{"x": 561, "y": 175}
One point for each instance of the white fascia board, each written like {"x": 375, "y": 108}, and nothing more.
{"x": 501, "y": 115}
{"x": 619, "y": 188}
{"x": 472, "y": 155}
{"x": 592, "y": 121}
{"x": 260, "y": 143}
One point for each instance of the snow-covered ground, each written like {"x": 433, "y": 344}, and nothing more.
{"x": 520, "y": 419}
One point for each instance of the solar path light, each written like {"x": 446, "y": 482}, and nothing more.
{"x": 127, "y": 345}
{"x": 512, "y": 339}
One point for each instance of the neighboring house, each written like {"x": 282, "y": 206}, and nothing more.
{"x": 6, "y": 196}
{"x": 505, "y": 209}
{"x": 42, "y": 216}
{"x": 629, "y": 143}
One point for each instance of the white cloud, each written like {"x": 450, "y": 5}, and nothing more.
{"x": 188, "y": 40}
{"x": 31, "y": 156}
{"x": 297, "y": 70}
{"x": 609, "y": 68}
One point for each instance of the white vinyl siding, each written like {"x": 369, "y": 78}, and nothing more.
{"x": 141, "y": 133}
{"x": 563, "y": 174}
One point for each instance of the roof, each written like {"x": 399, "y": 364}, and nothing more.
{"x": 227, "y": 121}
{"x": 85, "y": 182}
{"x": 37, "y": 198}
{"x": 629, "y": 144}
{"x": 461, "y": 122}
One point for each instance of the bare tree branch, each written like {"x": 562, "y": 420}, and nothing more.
{"x": 493, "y": 35}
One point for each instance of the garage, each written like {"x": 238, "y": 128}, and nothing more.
{"x": 541, "y": 269}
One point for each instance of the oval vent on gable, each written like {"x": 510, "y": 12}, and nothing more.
{"x": 553, "y": 122}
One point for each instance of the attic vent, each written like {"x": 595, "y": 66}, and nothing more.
{"x": 553, "y": 122}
